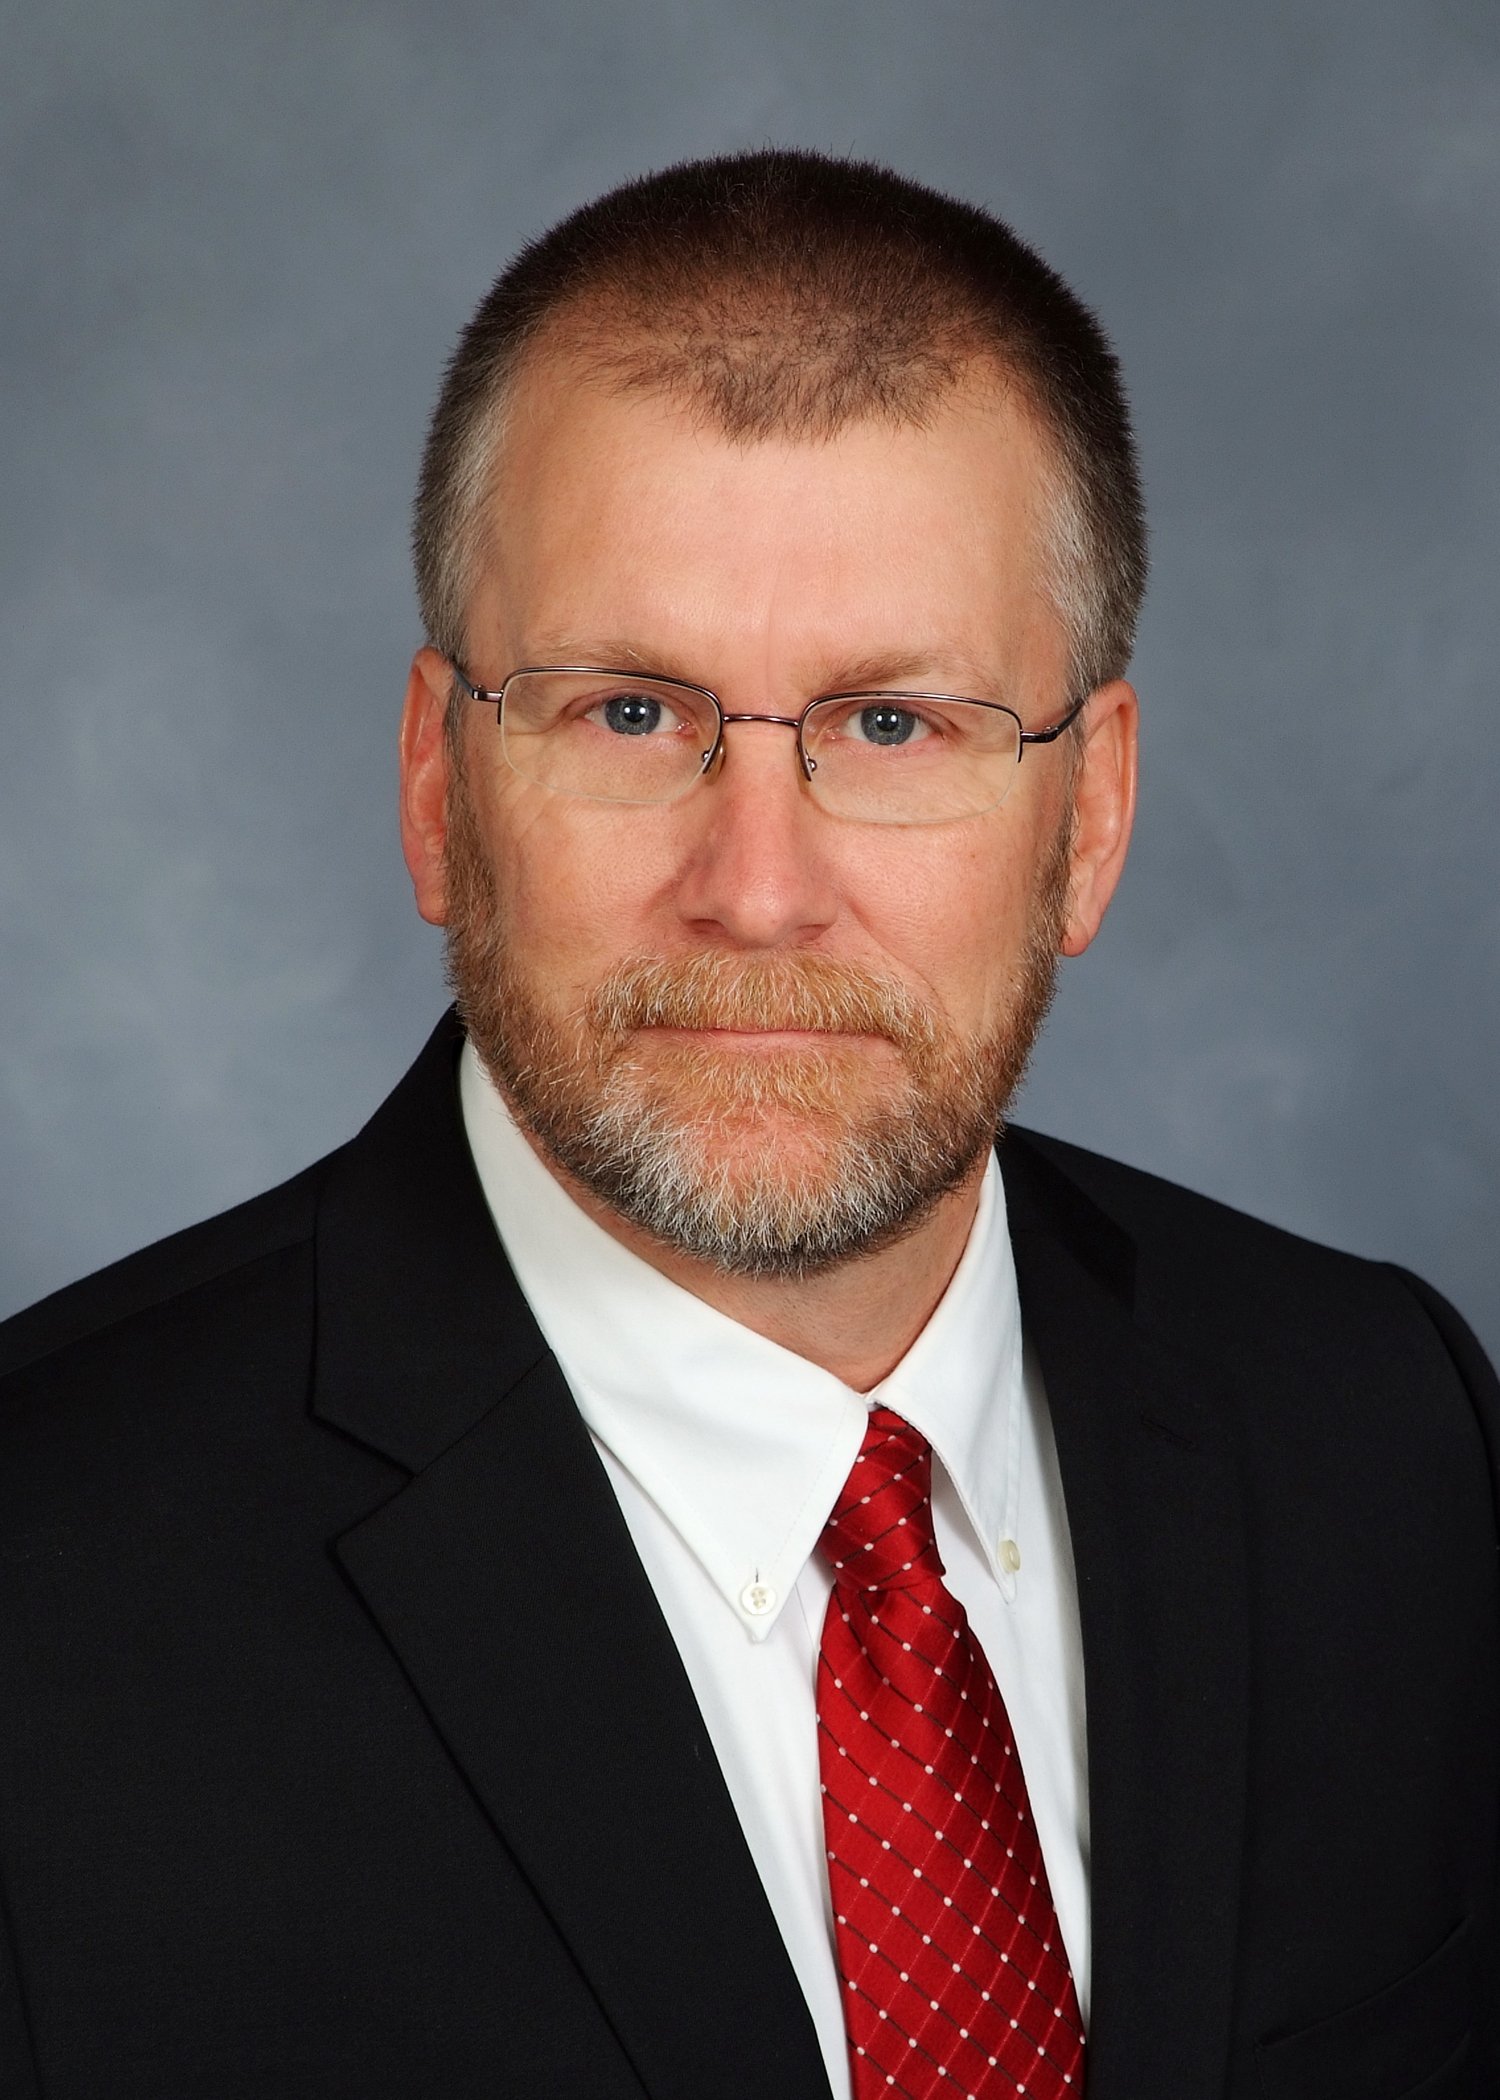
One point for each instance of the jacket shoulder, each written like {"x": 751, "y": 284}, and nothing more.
{"x": 1225, "y": 1282}
{"x": 1143, "y": 1203}
{"x": 1161, "y": 1215}
{"x": 155, "y": 1276}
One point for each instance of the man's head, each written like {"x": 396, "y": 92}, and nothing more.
{"x": 778, "y": 427}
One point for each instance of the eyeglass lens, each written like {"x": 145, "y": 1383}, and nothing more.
{"x": 613, "y": 740}
{"x": 878, "y": 758}
{"x": 885, "y": 758}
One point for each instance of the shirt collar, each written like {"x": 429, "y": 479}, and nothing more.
{"x": 742, "y": 1445}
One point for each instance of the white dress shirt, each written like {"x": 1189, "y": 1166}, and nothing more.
{"x": 727, "y": 1453}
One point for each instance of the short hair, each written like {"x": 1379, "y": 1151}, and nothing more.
{"x": 788, "y": 293}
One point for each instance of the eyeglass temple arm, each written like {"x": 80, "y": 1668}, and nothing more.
{"x": 1050, "y": 736}
{"x": 475, "y": 692}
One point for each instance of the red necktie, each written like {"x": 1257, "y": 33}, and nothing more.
{"x": 955, "y": 1976}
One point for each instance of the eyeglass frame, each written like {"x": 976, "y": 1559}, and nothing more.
{"x": 711, "y": 756}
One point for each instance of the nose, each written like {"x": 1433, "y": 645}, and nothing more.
{"x": 758, "y": 873}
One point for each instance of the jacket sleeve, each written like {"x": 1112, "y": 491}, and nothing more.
{"x": 1483, "y": 1388}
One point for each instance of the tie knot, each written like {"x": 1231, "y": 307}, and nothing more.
{"x": 880, "y": 1534}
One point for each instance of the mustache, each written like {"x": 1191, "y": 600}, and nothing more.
{"x": 808, "y": 992}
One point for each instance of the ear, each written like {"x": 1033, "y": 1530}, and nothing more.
{"x": 1104, "y": 801}
{"x": 426, "y": 771}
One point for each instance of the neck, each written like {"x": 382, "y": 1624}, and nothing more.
{"x": 856, "y": 1320}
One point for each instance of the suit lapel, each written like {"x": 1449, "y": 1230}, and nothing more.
{"x": 1156, "y": 1516}
{"x": 504, "y": 1578}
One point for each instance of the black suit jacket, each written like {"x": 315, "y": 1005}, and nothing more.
{"x": 344, "y": 1749}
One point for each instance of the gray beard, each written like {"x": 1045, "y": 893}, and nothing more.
{"x": 670, "y": 1140}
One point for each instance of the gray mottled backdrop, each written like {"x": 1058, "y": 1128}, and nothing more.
{"x": 236, "y": 244}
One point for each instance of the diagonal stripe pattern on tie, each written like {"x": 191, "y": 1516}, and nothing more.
{"x": 955, "y": 1978}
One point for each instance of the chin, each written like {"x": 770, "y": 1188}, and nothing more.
{"x": 747, "y": 1154}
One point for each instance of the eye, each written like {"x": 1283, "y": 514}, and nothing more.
{"x": 636, "y": 714}
{"x": 884, "y": 723}
{"x": 632, "y": 714}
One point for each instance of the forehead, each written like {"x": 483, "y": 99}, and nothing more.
{"x": 624, "y": 514}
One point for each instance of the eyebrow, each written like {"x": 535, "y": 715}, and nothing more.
{"x": 907, "y": 668}
{"x": 589, "y": 652}
{"x": 878, "y": 671}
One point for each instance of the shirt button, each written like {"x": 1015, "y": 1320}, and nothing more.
{"x": 1010, "y": 1556}
{"x": 757, "y": 1598}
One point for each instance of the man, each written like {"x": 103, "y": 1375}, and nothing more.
{"x": 671, "y": 1565}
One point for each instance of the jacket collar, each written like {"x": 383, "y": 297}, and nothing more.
{"x": 1155, "y": 1502}
{"x": 422, "y": 1328}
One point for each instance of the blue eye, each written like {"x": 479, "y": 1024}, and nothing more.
{"x": 886, "y": 724}
{"x": 633, "y": 714}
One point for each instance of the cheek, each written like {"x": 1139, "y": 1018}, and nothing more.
{"x": 950, "y": 906}
{"x": 581, "y": 885}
